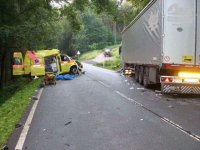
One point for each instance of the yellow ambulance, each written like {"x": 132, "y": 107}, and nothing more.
{"x": 43, "y": 61}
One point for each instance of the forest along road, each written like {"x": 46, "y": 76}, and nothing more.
{"x": 103, "y": 110}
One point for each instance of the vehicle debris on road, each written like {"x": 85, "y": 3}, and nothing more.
{"x": 49, "y": 78}
{"x": 68, "y": 123}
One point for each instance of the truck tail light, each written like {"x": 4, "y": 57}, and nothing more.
{"x": 166, "y": 79}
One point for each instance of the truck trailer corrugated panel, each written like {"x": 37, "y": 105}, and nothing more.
{"x": 141, "y": 41}
{"x": 165, "y": 32}
{"x": 179, "y": 40}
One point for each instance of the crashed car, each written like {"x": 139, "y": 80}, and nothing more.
{"x": 78, "y": 64}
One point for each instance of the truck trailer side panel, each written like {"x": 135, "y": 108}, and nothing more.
{"x": 162, "y": 45}
{"x": 142, "y": 40}
{"x": 198, "y": 33}
{"x": 179, "y": 41}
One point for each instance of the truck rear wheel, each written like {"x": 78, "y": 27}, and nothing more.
{"x": 141, "y": 72}
{"x": 146, "y": 77}
{"x": 136, "y": 73}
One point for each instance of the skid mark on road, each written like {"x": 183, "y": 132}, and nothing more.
{"x": 166, "y": 120}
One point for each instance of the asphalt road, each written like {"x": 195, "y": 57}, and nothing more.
{"x": 103, "y": 110}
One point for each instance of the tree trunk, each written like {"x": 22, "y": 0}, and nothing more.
{"x": 3, "y": 69}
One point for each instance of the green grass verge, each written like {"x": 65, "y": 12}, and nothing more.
{"x": 94, "y": 53}
{"x": 14, "y": 99}
{"x": 90, "y": 54}
{"x": 114, "y": 63}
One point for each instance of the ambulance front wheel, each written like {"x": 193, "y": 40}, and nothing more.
{"x": 73, "y": 70}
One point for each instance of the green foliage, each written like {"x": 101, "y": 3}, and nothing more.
{"x": 32, "y": 31}
{"x": 14, "y": 99}
{"x": 74, "y": 9}
{"x": 66, "y": 41}
{"x": 122, "y": 13}
{"x": 125, "y": 14}
{"x": 95, "y": 33}
{"x": 80, "y": 4}
{"x": 71, "y": 13}
{"x": 114, "y": 64}
{"x": 139, "y": 4}
{"x": 26, "y": 25}
{"x": 108, "y": 6}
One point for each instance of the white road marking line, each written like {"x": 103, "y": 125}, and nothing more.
{"x": 194, "y": 136}
{"x": 26, "y": 127}
{"x": 127, "y": 98}
{"x": 104, "y": 84}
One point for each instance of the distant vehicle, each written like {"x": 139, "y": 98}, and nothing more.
{"x": 107, "y": 52}
{"x": 43, "y": 61}
{"x": 162, "y": 45}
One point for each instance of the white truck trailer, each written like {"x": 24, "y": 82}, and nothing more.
{"x": 162, "y": 45}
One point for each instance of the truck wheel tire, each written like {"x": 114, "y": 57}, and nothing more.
{"x": 141, "y": 75}
{"x": 73, "y": 70}
{"x": 146, "y": 77}
{"x": 136, "y": 73}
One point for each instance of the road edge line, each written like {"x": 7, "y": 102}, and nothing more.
{"x": 27, "y": 124}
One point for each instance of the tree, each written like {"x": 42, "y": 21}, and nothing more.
{"x": 139, "y": 4}
{"x": 71, "y": 10}
{"x": 94, "y": 33}
{"x": 66, "y": 43}
{"x": 126, "y": 14}
{"x": 25, "y": 25}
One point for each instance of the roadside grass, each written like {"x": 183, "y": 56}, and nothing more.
{"x": 113, "y": 47}
{"x": 114, "y": 63}
{"x": 14, "y": 99}
{"x": 94, "y": 53}
{"x": 90, "y": 54}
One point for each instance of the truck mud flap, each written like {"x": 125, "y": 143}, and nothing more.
{"x": 180, "y": 88}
